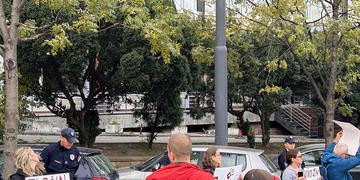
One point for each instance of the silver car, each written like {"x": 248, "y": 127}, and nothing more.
{"x": 231, "y": 156}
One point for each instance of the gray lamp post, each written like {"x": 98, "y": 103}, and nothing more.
{"x": 221, "y": 134}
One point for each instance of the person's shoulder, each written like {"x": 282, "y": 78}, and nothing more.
{"x": 283, "y": 153}
{"x": 201, "y": 174}
{"x": 52, "y": 146}
{"x": 74, "y": 149}
{"x": 17, "y": 177}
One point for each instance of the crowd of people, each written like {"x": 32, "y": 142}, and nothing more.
{"x": 179, "y": 149}
{"x": 60, "y": 157}
{"x": 64, "y": 157}
{"x": 335, "y": 161}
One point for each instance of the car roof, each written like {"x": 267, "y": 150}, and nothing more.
{"x": 230, "y": 149}
{"x": 310, "y": 147}
{"x": 39, "y": 147}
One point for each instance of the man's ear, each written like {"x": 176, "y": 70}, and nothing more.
{"x": 171, "y": 156}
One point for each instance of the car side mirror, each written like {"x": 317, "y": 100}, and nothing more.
{"x": 155, "y": 167}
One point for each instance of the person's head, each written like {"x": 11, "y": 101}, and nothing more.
{"x": 67, "y": 138}
{"x": 341, "y": 150}
{"x": 28, "y": 161}
{"x": 293, "y": 157}
{"x": 258, "y": 174}
{"x": 179, "y": 148}
{"x": 212, "y": 157}
{"x": 289, "y": 143}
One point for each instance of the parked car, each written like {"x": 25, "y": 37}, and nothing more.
{"x": 231, "y": 156}
{"x": 93, "y": 163}
{"x": 312, "y": 154}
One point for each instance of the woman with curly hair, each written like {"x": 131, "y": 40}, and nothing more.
{"x": 212, "y": 159}
{"x": 27, "y": 164}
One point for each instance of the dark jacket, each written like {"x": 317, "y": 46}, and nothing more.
{"x": 338, "y": 167}
{"x": 186, "y": 171}
{"x": 19, "y": 175}
{"x": 58, "y": 159}
{"x": 212, "y": 170}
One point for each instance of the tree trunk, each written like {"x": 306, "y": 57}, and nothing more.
{"x": 329, "y": 126}
{"x": 88, "y": 130}
{"x": 11, "y": 108}
{"x": 264, "y": 130}
{"x": 151, "y": 140}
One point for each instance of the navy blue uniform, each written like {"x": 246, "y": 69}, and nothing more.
{"x": 58, "y": 159}
{"x": 281, "y": 160}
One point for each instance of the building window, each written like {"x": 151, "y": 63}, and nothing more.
{"x": 200, "y": 5}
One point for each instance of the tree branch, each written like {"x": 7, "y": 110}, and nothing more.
{"x": 308, "y": 74}
{"x": 324, "y": 6}
{"x": 3, "y": 26}
{"x": 100, "y": 30}
{"x": 287, "y": 20}
{"x": 36, "y": 36}
{"x": 34, "y": 27}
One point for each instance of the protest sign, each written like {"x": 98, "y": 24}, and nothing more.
{"x": 62, "y": 176}
{"x": 228, "y": 173}
{"x": 351, "y": 136}
{"x": 312, "y": 173}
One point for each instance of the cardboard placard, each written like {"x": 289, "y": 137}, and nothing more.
{"x": 350, "y": 137}
{"x": 312, "y": 173}
{"x": 62, "y": 176}
{"x": 228, "y": 173}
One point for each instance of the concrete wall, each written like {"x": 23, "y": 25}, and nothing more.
{"x": 53, "y": 124}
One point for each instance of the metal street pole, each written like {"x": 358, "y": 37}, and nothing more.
{"x": 221, "y": 134}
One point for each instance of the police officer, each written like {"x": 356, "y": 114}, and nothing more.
{"x": 289, "y": 144}
{"x": 62, "y": 156}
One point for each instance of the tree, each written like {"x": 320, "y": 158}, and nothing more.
{"x": 160, "y": 106}
{"x": 256, "y": 70}
{"x": 324, "y": 44}
{"x": 85, "y": 16}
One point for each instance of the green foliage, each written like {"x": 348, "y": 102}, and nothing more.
{"x": 114, "y": 123}
{"x": 24, "y": 104}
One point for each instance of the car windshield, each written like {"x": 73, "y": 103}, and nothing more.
{"x": 269, "y": 164}
{"x": 142, "y": 166}
{"x": 101, "y": 163}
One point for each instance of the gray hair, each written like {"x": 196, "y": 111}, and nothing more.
{"x": 341, "y": 148}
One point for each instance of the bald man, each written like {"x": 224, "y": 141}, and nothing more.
{"x": 336, "y": 160}
{"x": 179, "y": 149}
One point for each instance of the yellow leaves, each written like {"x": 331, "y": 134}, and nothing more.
{"x": 352, "y": 77}
{"x": 292, "y": 38}
{"x": 272, "y": 66}
{"x": 25, "y": 31}
{"x": 341, "y": 87}
{"x": 60, "y": 40}
{"x": 305, "y": 49}
{"x": 283, "y": 64}
{"x": 85, "y": 23}
{"x": 203, "y": 55}
{"x": 352, "y": 60}
{"x": 346, "y": 109}
{"x": 270, "y": 89}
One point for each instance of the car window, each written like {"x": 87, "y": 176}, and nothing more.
{"x": 229, "y": 159}
{"x": 269, "y": 164}
{"x": 312, "y": 158}
{"x": 101, "y": 164}
{"x": 194, "y": 157}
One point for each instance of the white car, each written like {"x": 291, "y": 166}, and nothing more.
{"x": 231, "y": 156}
